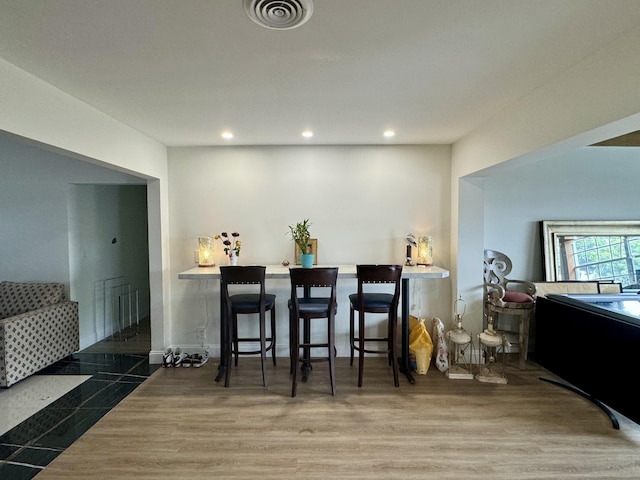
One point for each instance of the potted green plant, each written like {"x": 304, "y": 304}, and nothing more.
{"x": 300, "y": 235}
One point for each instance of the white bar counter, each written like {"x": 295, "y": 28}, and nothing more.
{"x": 344, "y": 271}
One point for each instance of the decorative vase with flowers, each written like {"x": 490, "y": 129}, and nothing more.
{"x": 231, "y": 246}
{"x": 300, "y": 235}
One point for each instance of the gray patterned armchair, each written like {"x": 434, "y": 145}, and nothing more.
{"x": 38, "y": 327}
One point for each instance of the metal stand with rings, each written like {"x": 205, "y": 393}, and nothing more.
{"x": 460, "y": 347}
{"x": 492, "y": 344}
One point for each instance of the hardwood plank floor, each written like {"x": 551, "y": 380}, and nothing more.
{"x": 180, "y": 424}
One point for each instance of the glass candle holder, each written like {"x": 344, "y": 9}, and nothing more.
{"x": 425, "y": 251}
{"x": 205, "y": 252}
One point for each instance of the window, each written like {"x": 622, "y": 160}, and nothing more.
{"x": 579, "y": 250}
{"x": 615, "y": 258}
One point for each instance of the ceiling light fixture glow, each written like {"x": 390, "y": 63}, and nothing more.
{"x": 227, "y": 135}
{"x": 389, "y": 133}
{"x": 307, "y": 134}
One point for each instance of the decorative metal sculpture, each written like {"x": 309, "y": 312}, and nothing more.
{"x": 410, "y": 238}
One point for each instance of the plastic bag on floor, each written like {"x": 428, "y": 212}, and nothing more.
{"x": 442, "y": 363}
{"x": 420, "y": 344}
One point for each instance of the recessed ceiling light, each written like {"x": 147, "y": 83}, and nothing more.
{"x": 227, "y": 135}
{"x": 307, "y": 134}
{"x": 389, "y": 133}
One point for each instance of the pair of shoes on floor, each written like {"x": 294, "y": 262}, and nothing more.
{"x": 181, "y": 359}
{"x": 178, "y": 358}
{"x": 167, "y": 358}
{"x": 173, "y": 359}
{"x": 198, "y": 360}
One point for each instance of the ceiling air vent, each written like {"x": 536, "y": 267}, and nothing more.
{"x": 279, "y": 14}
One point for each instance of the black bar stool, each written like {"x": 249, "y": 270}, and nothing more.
{"x": 375, "y": 302}
{"x": 247, "y": 303}
{"x": 306, "y": 307}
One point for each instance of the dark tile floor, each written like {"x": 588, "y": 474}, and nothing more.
{"x": 29, "y": 447}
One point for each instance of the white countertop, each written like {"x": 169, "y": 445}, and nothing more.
{"x": 344, "y": 271}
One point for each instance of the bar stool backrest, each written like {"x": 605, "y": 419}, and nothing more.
{"x": 381, "y": 274}
{"x": 308, "y": 278}
{"x": 242, "y": 275}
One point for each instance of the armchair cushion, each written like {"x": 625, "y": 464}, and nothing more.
{"x": 517, "y": 297}
{"x": 17, "y": 298}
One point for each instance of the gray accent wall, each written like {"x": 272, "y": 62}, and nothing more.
{"x": 58, "y": 218}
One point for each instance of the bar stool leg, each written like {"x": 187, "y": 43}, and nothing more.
{"x": 390, "y": 341}
{"x": 229, "y": 355}
{"x": 295, "y": 354}
{"x": 236, "y": 344}
{"x": 292, "y": 365}
{"x": 273, "y": 334}
{"x": 306, "y": 351}
{"x": 351, "y": 335}
{"x": 524, "y": 338}
{"x": 263, "y": 348}
{"x": 332, "y": 354}
{"x": 393, "y": 327}
{"x": 361, "y": 346}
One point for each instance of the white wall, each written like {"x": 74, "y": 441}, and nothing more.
{"x": 33, "y": 213}
{"x": 360, "y": 200}
{"x": 598, "y": 98}
{"x": 44, "y": 233}
{"x": 34, "y": 190}
{"x": 36, "y": 110}
{"x": 60, "y": 123}
{"x": 590, "y": 183}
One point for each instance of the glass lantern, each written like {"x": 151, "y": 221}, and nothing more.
{"x": 205, "y": 252}
{"x": 425, "y": 251}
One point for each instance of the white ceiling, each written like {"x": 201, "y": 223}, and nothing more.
{"x": 182, "y": 71}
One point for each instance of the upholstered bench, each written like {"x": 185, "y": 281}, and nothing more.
{"x": 38, "y": 327}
